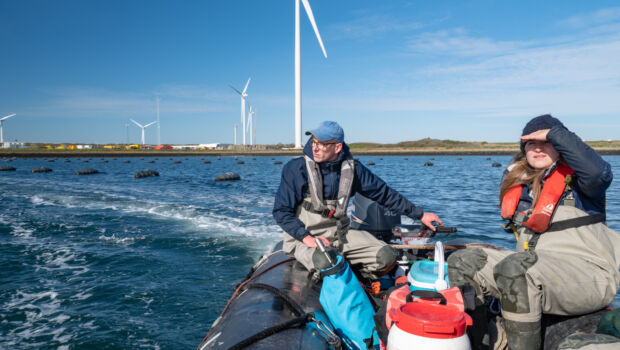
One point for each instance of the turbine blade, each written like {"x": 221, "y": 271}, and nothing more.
{"x": 135, "y": 122}
{"x": 246, "y": 85}
{"x": 149, "y": 124}
{"x": 8, "y": 116}
{"x": 316, "y": 29}
{"x": 237, "y": 91}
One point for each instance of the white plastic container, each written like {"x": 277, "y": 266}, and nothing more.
{"x": 429, "y": 326}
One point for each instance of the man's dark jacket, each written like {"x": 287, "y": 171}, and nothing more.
{"x": 294, "y": 188}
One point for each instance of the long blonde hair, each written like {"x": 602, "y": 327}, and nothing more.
{"x": 522, "y": 173}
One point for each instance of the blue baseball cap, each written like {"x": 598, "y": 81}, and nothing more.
{"x": 327, "y": 131}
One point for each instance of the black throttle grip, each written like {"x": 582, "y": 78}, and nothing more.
{"x": 445, "y": 229}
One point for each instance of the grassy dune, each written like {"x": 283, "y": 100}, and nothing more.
{"x": 421, "y": 147}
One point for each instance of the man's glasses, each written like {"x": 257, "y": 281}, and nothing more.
{"x": 322, "y": 145}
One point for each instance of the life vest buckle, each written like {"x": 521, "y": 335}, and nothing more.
{"x": 328, "y": 213}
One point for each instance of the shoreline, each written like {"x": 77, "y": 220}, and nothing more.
{"x": 255, "y": 153}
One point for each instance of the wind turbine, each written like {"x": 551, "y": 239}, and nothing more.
{"x": 1, "y": 120}
{"x": 250, "y": 124}
{"x": 298, "y": 65}
{"x": 243, "y": 96}
{"x": 254, "y": 124}
{"x": 143, "y": 127}
{"x": 158, "y": 131}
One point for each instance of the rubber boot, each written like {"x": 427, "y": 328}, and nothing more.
{"x": 523, "y": 335}
{"x": 479, "y": 333}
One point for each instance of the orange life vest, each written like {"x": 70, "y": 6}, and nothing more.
{"x": 547, "y": 201}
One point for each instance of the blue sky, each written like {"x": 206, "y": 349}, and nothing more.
{"x": 76, "y": 71}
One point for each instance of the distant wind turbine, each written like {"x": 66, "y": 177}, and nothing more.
{"x": 250, "y": 124}
{"x": 143, "y": 127}
{"x": 235, "y": 134}
{"x": 2, "y": 120}
{"x": 254, "y": 124}
{"x": 243, "y": 96}
{"x": 158, "y": 131}
{"x": 298, "y": 65}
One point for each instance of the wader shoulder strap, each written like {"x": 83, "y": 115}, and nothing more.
{"x": 563, "y": 225}
{"x": 315, "y": 184}
{"x": 576, "y": 222}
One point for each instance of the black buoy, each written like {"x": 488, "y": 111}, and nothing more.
{"x": 150, "y": 161}
{"x": 432, "y": 158}
{"x": 67, "y": 161}
{"x": 406, "y": 158}
{"x": 240, "y": 162}
{"x": 127, "y": 161}
{"x": 228, "y": 176}
{"x": 206, "y": 162}
{"x": 496, "y": 165}
{"x": 87, "y": 171}
{"x": 428, "y": 164}
{"x": 41, "y": 170}
{"x": 85, "y": 161}
{"x": 7, "y": 168}
{"x": 218, "y": 158}
{"x": 459, "y": 158}
{"x": 380, "y": 158}
{"x": 370, "y": 163}
{"x": 104, "y": 161}
{"x": 488, "y": 158}
{"x": 145, "y": 173}
{"x": 176, "y": 162}
{"x": 253, "y": 158}
{"x": 50, "y": 161}
{"x": 277, "y": 162}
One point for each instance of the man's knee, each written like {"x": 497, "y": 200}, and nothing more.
{"x": 510, "y": 277}
{"x": 319, "y": 260}
{"x": 386, "y": 258}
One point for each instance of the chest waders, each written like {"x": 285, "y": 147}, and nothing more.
{"x": 567, "y": 267}
{"x": 369, "y": 256}
{"x": 329, "y": 214}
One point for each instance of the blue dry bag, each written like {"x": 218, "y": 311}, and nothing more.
{"x": 347, "y": 306}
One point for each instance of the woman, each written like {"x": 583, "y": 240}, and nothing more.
{"x": 567, "y": 259}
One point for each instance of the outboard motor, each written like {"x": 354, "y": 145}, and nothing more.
{"x": 372, "y": 217}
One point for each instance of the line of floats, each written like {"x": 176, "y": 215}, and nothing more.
{"x": 227, "y": 176}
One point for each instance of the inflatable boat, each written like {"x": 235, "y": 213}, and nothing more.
{"x": 277, "y": 305}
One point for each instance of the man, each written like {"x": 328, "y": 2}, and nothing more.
{"x": 311, "y": 203}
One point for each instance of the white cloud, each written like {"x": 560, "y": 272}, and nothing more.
{"x": 598, "y": 17}
{"x": 457, "y": 42}
{"x": 371, "y": 25}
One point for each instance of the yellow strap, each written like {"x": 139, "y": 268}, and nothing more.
{"x": 513, "y": 228}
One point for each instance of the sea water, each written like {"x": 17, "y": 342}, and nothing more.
{"x": 107, "y": 261}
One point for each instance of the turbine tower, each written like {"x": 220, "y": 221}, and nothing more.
{"x": 143, "y": 127}
{"x": 158, "y": 131}
{"x": 235, "y": 135}
{"x": 254, "y": 124}
{"x": 243, "y": 96}
{"x": 250, "y": 124}
{"x": 298, "y": 65}
{"x": 2, "y": 120}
